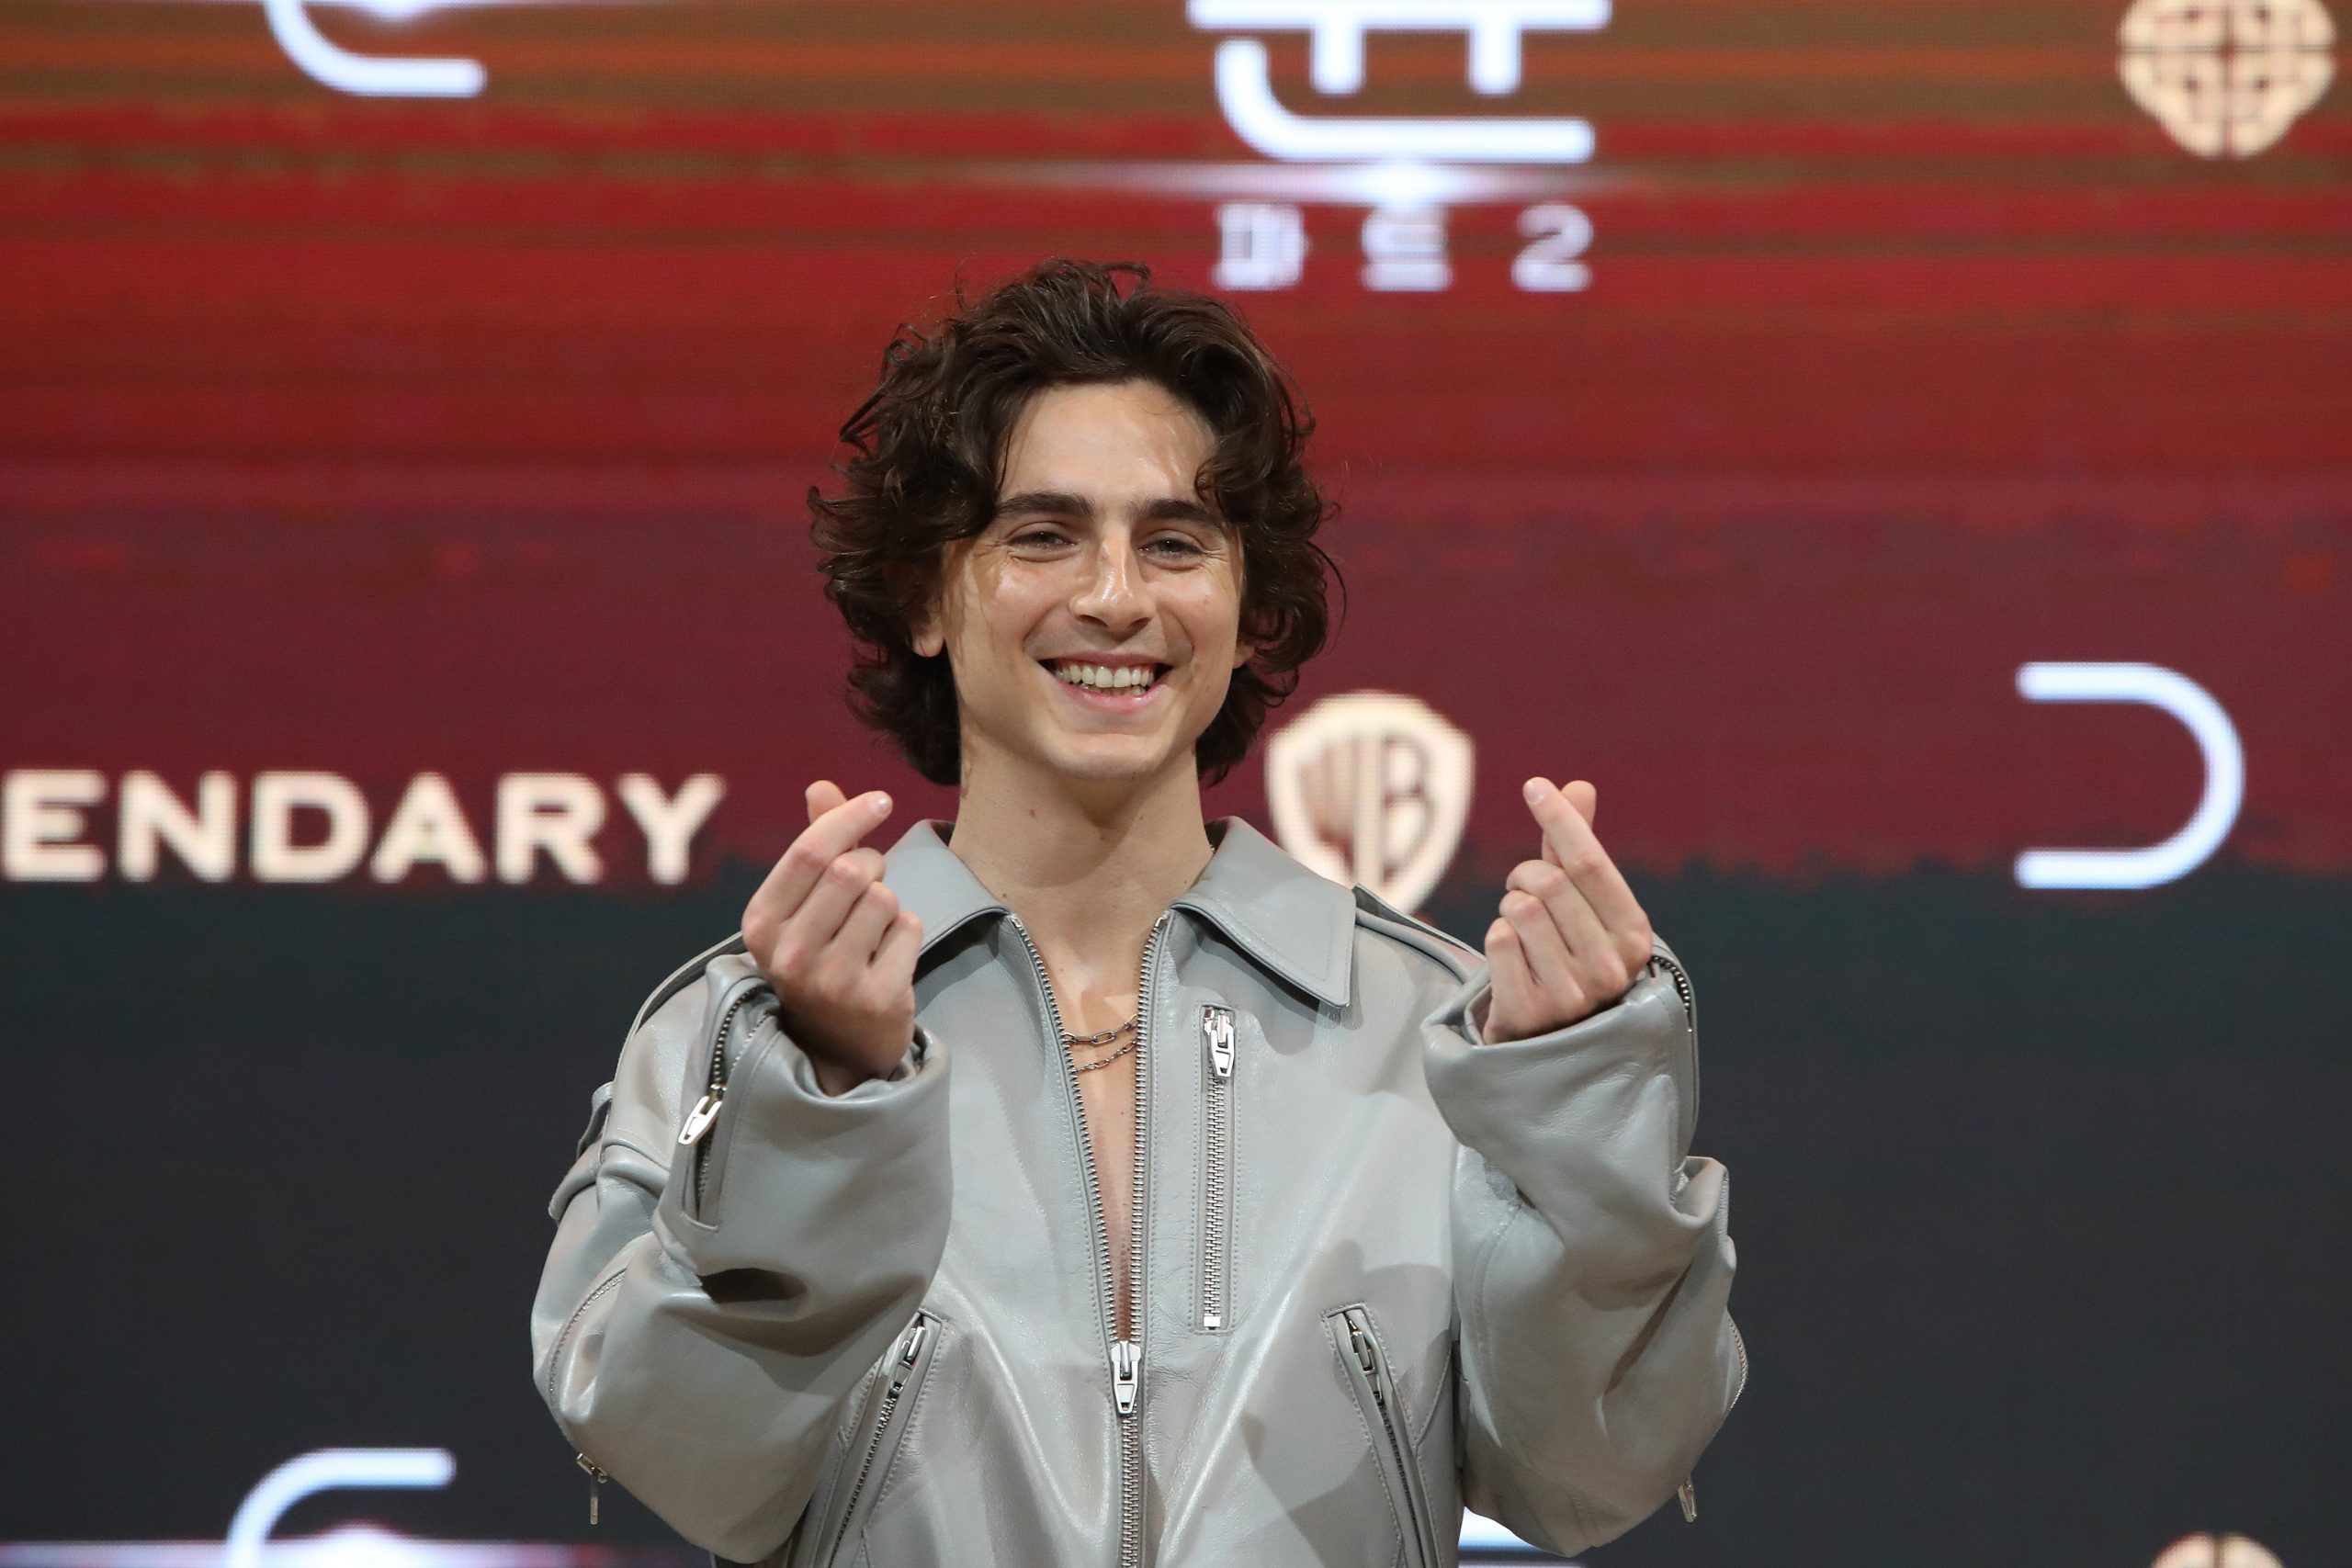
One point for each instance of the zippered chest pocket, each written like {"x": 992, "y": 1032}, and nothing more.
{"x": 1217, "y": 1063}
{"x": 1363, "y": 1361}
{"x": 874, "y": 1447}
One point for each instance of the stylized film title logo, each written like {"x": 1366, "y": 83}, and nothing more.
{"x": 329, "y": 63}
{"x": 1371, "y": 787}
{"x": 1335, "y": 28}
{"x": 1263, "y": 244}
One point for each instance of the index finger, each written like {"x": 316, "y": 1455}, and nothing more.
{"x": 1570, "y": 843}
{"x": 834, "y": 832}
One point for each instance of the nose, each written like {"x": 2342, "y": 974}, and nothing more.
{"x": 1111, "y": 593}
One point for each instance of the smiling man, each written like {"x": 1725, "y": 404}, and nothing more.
{"x": 1084, "y": 1182}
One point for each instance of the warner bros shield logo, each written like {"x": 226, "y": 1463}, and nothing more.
{"x": 1371, "y": 787}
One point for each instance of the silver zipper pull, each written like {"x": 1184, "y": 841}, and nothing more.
{"x": 596, "y": 1479}
{"x": 1217, "y": 1028}
{"x": 909, "y": 1351}
{"x": 1126, "y": 1370}
{"x": 1689, "y": 1495}
{"x": 699, "y": 1119}
{"x": 1360, "y": 1340}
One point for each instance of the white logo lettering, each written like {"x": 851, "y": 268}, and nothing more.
{"x": 1336, "y": 29}
{"x": 205, "y": 839}
{"x": 669, "y": 824}
{"x": 41, "y": 839}
{"x": 555, "y": 812}
{"x": 308, "y": 825}
{"x": 278, "y": 796}
{"x": 1403, "y": 248}
{"x": 1261, "y": 245}
{"x": 325, "y": 1470}
{"x": 427, "y": 825}
{"x": 332, "y": 65}
{"x": 2171, "y": 692}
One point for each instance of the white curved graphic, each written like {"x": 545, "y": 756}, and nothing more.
{"x": 327, "y": 1469}
{"x": 1244, "y": 92}
{"x": 2210, "y": 1551}
{"x": 2182, "y": 698}
{"x": 329, "y": 63}
{"x": 1335, "y": 48}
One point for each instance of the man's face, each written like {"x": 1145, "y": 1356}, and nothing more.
{"x": 1094, "y": 627}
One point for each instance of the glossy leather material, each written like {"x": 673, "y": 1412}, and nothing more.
{"x": 873, "y": 1328}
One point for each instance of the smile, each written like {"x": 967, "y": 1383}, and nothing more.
{"x": 1126, "y": 679}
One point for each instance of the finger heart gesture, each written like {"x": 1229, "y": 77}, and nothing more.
{"x": 1571, "y": 938}
{"x": 830, "y": 937}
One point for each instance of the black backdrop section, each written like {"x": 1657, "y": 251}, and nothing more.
{"x": 2040, "y": 1203}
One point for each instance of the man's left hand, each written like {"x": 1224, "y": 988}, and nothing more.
{"x": 1571, "y": 938}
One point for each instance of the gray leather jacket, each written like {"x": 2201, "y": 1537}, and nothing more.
{"x": 1384, "y": 1270}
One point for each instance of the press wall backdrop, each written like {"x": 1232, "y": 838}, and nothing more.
{"x": 1898, "y": 452}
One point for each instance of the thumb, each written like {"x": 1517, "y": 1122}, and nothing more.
{"x": 823, "y": 795}
{"x": 1544, "y": 839}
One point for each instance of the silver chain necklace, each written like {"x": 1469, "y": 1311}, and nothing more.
{"x": 1103, "y": 1039}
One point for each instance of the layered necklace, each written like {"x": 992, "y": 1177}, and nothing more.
{"x": 1073, "y": 1041}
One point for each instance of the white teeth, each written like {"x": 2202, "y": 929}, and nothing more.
{"x": 1105, "y": 677}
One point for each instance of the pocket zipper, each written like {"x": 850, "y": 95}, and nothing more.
{"x": 1689, "y": 1491}
{"x": 907, "y": 1364}
{"x": 1216, "y": 1161}
{"x": 1375, "y": 1392}
{"x": 596, "y": 1479}
{"x": 695, "y": 1132}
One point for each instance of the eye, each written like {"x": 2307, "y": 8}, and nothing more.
{"x": 1175, "y": 547}
{"x": 1039, "y": 537}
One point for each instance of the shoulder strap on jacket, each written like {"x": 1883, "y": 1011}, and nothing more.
{"x": 1375, "y": 914}
{"x": 685, "y": 974}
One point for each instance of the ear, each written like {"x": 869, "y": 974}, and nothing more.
{"x": 926, "y": 631}
{"x": 1243, "y": 651}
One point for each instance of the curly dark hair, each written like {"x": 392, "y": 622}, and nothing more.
{"x": 926, "y": 453}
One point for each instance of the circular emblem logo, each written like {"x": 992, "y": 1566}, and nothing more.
{"x": 2227, "y": 77}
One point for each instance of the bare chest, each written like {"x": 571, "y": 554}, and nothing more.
{"x": 1108, "y": 1096}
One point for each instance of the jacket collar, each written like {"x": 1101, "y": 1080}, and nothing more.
{"x": 1299, "y": 926}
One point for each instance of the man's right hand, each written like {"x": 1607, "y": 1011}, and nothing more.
{"x": 832, "y": 941}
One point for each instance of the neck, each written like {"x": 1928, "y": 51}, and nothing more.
{"x": 1089, "y": 869}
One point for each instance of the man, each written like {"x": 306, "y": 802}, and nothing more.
{"x": 1082, "y": 1182}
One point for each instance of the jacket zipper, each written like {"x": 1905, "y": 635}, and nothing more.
{"x": 1375, "y": 1389}
{"x": 902, "y": 1365}
{"x": 1217, "y": 1158}
{"x": 1682, "y": 987}
{"x": 695, "y": 1132}
{"x": 1127, "y": 1355}
{"x": 597, "y": 1476}
{"x": 1687, "y": 1492}
{"x": 1674, "y": 972}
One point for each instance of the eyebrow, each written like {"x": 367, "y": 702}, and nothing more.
{"x": 1066, "y": 503}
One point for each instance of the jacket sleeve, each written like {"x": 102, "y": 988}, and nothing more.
{"x": 1593, "y": 1264}
{"x": 708, "y": 1309}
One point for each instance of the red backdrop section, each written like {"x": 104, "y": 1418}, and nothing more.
{"x": 382, "y": 434}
